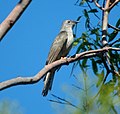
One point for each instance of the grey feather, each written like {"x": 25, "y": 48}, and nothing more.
{"x": 60, "y": 48}
{"x": 55, "y": 54}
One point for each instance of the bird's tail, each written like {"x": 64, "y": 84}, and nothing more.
{"x": 48, "y": 82}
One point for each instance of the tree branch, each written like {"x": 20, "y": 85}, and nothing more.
{"x": 7, "y": 24}
{"x": 63, "y": 61}
{"x": 107, "y": 8}
{"x": 105, "y": 24}
{"x": 113, "y": 27}
{"x": 113, "y": 4}
{"x": 118, "y": 40}
{"x": 98, "y": 5}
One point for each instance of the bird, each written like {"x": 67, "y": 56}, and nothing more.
{"x": 59, "y": 48}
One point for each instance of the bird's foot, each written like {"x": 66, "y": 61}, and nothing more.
{"x": 65, "y": 58}
{"x": 73, "y": 56}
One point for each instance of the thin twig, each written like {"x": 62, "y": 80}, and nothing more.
{"x": 98, "y": 5}
{"x": 63, "y": 101}
{"x": 91, "y": 9}
{"x": 113, "y": 27}
{"x": 118, "y": 40}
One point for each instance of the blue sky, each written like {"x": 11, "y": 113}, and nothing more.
{"x": 25, "y": 47}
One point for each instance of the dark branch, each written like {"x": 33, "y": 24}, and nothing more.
{"x": 113, "y": 27}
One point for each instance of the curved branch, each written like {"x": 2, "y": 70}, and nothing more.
{"x": 113, "y": 4}
{"x": 108, "y": 8}
{"x": 63, "y": 61}
{"x": 7, "y": 24}
{"x": 113, "y": 27}
{"x": 118, "y": 40}
{"x": 98, "y": 5}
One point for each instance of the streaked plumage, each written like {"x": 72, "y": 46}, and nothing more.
{"x": 60, "y": 48}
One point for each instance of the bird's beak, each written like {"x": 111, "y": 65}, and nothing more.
{"x": 75, "y": 22}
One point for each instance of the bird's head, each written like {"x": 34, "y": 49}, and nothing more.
{"x": 68, "y": 24}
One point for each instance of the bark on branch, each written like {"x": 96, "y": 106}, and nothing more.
{"x": 34, "y": 79}
{"x": 7, "y": 24}
{"x": 109, "y": 7}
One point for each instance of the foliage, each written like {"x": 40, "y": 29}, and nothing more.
{"x": 9, "y": 107}
{"x": 105, "y": 97}
{"x": 91, "y": 39}
{"x": 88, "y": 99}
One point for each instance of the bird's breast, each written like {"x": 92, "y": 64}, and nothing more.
{"x": 70, "y": 39}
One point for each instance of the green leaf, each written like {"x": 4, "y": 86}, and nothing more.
{"x": 86, "y": 13}
{"x": 118, "y": 23}
{"x": 117, "y": 45}
{"x": 99, "y": 61}
{"x": 76, "y": 42}
{"x": 73, "y": 67}
{"x": 100, "y": 78}
{"x": 113, "y": 35}
{"x": 79, "y": 18}
{"x": 94, "y": 66}
{"x": 82, "y": 68}
{"x": 93, "y": 11}
{"x": 95, "y": 31}
{"x": 82, "y": 45}
{"x": 80, "y": 48}
{"x": 87, "y": 22}
{"x": 84, "y": 63}
{"x": 82, "y": 2}
{"x": 105, "y": 93}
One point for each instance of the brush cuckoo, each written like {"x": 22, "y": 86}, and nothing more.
{"x": 60, "y": 48}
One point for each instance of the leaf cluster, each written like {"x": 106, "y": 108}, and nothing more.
{"x": 91, "y": 39}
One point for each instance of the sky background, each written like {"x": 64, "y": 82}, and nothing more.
{"x": 25, "y": 47}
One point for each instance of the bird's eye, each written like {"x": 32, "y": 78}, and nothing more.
{"x": 68, "y": 21}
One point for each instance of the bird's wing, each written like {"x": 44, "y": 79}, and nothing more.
{"x": 57, "y": 46}
{"x": 54, "y": 54}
